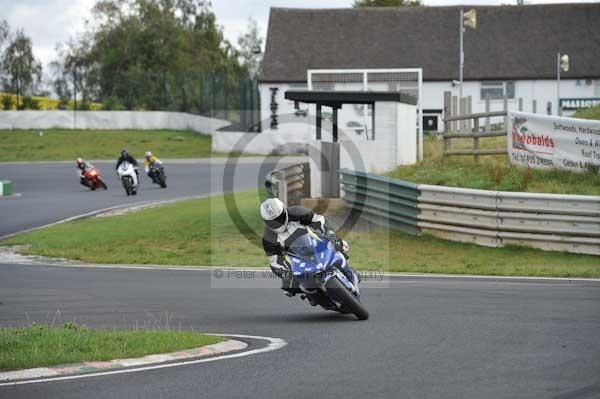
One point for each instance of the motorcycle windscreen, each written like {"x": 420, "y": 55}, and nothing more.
{"x": 310, "y": 252}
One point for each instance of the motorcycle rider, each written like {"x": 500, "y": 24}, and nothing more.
{"x": 82, "y": 167}
{"x": 281, "y": 223}
{"x": 125, "y": 156}
{"x": 149, "y": 161}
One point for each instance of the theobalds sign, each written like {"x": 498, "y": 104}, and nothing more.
{"x": 577, "y": 103}
{"x": 551, "y": 142}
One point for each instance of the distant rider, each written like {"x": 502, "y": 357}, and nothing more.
{"x": 149, "y": 161}
{"x": 82, "y": 167}
{"x": 281, "y": 223}
{"x": 126, "y": 157}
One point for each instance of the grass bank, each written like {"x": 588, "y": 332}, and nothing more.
{"x": 201, "y": 232}
{"x": 61, "y": 145}
{"x": 588, "y": 113}
{"x": 40, "y": 346}
{"x": 492, "y": 172}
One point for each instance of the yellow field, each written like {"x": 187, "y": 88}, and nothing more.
{"x": 47, "y": 103}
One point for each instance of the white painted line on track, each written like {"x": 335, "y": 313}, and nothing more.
{"x": 274, "y": 344}
{"x": 24, "y": 261}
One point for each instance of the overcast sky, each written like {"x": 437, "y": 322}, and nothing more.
{"x": 49, "y": 22}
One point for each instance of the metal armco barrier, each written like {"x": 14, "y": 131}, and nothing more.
{"x": 489, "y": 218}
{"x": 381, "y": 200}
{"x": 289, "y": 184}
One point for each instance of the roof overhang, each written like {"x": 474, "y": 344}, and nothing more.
{"x": 337, "y": 98}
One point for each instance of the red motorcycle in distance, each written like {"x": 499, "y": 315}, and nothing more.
{"x": 94, "y": 179}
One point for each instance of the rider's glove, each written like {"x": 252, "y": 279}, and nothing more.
{"x": 331, "y": 236}
{"x": 342, "y": 245}
{"x": 279, "y": 266}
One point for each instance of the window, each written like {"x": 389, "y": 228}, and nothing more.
{"x": 497, "y": 89}
{"x": 597, "y": 88}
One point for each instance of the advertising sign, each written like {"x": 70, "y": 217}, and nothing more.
{"x": 541, "y": 141}
{"x": 570, "y": 104}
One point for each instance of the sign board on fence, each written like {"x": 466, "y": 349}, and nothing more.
{"x": 541, "y": 141}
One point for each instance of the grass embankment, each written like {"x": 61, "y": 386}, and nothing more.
{"x": 491, "y": 172}
{"x": 201, "y": 232}
{"x": 40, "y": 346}
{"x": 588, "y": 113}
{"x": 61, "y": 145}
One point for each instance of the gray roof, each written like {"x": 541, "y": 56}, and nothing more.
{"x": 511, "y": 42}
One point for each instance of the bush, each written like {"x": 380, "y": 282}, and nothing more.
{"x": 112, "y": 103}
{"x": 30, "y": 103}
{"x": 7, "y": 102}
{"x": 63, "y": 104}
{"x": 83, "y": 105}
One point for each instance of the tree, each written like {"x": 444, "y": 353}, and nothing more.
{"x": 74, "y": 73}
{"x": 150, "y": 54}
{"x": 4, "y": 31}
{"x": 250, "y": 49}
{"x": 60, "y": 79}
{"x": 21, "y": 71}
{"x": 386, "y": 3}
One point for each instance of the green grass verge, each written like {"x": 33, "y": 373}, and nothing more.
{"x": 588, "y": 113}
{"x": 40, "y": 346}
{"x": 201, "y": 232}
{"x": 492, "y": 172}
{"x": 195, "y": 232}
{"x": 61, "y": 145}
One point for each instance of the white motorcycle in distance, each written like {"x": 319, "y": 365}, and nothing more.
{"x": 128, "y": 178}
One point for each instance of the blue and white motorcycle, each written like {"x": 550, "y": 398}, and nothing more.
{"x": 323, "y": 274}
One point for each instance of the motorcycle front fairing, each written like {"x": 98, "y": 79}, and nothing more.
{"x": 312, "y": 256}
{"x": 126, "y": 169}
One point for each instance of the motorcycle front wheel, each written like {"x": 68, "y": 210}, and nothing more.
{"x": 343, "y": 295}
{"x": 127, "y": 185}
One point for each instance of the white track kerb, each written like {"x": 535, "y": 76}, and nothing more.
{"x": 273, "y": 344}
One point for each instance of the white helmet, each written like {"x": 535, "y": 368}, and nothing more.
{"x": 148, "y": 154}
{"x": 274, "y": 214}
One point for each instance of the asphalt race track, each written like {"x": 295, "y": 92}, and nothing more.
{"x": 51, "y": 191}
{"x": 427, "y": 337}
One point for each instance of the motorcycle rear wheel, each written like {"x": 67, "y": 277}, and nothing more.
{"x": 343, "y": 295}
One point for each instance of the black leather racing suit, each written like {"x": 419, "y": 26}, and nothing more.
{"x": 127, "y": 158}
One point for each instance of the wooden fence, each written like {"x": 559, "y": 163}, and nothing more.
{"x": 461, "y": 123}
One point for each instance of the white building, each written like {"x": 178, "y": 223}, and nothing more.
{"x": 512, "y": 51}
